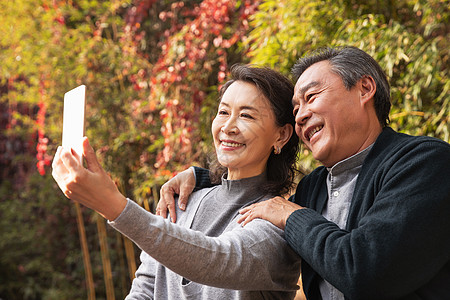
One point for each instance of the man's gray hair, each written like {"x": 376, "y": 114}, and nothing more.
{"x": 352, "y": 64}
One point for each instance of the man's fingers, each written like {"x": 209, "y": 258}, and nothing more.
{"x": 182, "y": 200}
{"x": 166, "y": 197}
{"x": 245, "y": 209}
{"x": 167, "y": 203}
{"x": 243, "y": 217}
{"x": 172, "y": 212}
{"x": 249, "y": 213}
{"x": 161, "y": 210}
{"x": 187, "y": 185}
{"x": 183, "y": 184}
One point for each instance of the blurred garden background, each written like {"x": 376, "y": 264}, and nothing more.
{"x": 152, "y": 71}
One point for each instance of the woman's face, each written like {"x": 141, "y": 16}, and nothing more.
{"x": 244, "y": 131}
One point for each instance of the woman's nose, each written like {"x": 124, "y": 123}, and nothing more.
{"x": 230, "y": 126}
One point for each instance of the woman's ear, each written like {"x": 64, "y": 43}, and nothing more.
{"x": 368, "y": 88}
{"x": 285, "y": 134}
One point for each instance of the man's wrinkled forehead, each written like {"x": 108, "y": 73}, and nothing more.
{"x": 312, "y": 76}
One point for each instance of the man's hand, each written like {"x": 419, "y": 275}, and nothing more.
{"x": 89, "y": 186}
{"x": 182, "y": 184}
{"x": 276, "y": 210}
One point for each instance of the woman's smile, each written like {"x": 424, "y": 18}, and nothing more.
{"x": 244, "y": 130}
{"x": 231, "y": 145}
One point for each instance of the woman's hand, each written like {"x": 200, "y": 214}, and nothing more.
{"x": 89, "y": 186}
{"x": 182, "y": 184}
{"x": 276, "y": 210}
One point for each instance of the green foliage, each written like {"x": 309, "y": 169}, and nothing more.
{"x": 40, "y": 250}
{"x": 408, "y": 38}
{"x": 284, "y": 30}
{"x": 152, "y": 71}
{"x": 38, "y": 260}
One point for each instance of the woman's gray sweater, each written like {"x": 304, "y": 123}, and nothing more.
{"x": 207, "y": 254}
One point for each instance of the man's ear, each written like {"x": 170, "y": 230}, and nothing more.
{"x": 284, "y": 136}
{"x": 368, "y": 88}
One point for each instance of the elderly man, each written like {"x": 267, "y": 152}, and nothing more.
{"x": 374, "y": 221}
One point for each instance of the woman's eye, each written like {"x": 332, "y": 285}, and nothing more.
{"x": 222, "y": 112}
{"x": 295, "y": 111}
{"x": 246, "y": 116}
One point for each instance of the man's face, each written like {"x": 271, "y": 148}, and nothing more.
{"x": 331, "y": 120}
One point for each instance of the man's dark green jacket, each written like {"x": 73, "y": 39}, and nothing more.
{"x": 396, "y": 244}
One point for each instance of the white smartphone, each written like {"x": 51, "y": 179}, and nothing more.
{"x": 73, "y": 119}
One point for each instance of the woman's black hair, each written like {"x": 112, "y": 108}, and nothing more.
{"x": 278, "y": 90}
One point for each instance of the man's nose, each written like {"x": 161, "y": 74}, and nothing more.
{"x": 303, "y": 114}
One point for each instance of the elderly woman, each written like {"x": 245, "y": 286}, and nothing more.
{"x": 206, "y": 254}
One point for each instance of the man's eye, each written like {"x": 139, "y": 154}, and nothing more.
{"x": 295, "y": 112}
{"x": 309, "y": 97}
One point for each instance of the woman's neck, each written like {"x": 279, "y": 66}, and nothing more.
{"x": 241, "y": 174}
